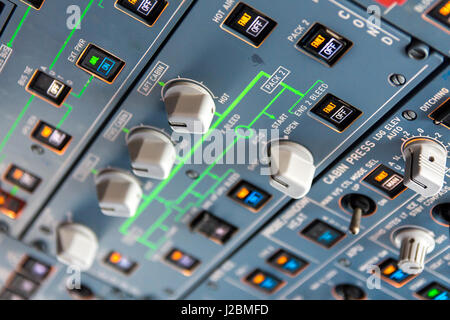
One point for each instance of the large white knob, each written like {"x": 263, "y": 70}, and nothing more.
{"x": 76, "y": 245}
{"x": 414, "y": 243}
{"x": 425, "y": 161}
{"x": 152, "y": 153}
{"x": 292, "y": 168}
{"x": 118, "y": 193}
{"x": 190, "y": 106}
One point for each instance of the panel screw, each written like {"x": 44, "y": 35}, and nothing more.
{"x": 418, "y": 51}
{"x": 397, "y": 79}
{"x": 192, "y": 174}
{"x": 37, "y": 149}
{"x": 345, "y": 262}
{"x": 409, "y": 115}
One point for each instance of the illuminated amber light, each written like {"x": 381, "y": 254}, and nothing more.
{"x": 244, "y": 19}
{"x": 46, "y": 132}
{"x": 177, "y": 255}
{"x": 330, "y": 107}
{"x": 381, "y": 176}
{"x": 132, "y": 1}
{"x": 390, "y": 269}
{"x": 445, "y": 10}
{"x": 115, "y": 257}
{"x": 243, "y": 193}
{"x": 259, "y": 278}
{"x": 318, "y": 41}
{"x": 2, "y": 200}
{"x": 17, "y": 174}
{"x": 282, "y": 260}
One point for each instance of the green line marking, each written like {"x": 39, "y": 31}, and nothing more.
{"x": 69, "y": 110}
{"x": 213, "y": 176}
{"x": 170, "y": 206}
{"x": 9, "y": 44}
{"x": 303, "y": 95}
{"x": 271, "y": 116}
{"x": 155, "y": 226}
{"x": 126, "y": 130}
{"x": 123, "y": 229}
{"x": 16, "y": 122}
{"x": 100, "y": 4}
{"x": 162, "y": 84}
{"x": 267, "y": 107}
{"x": 14, "y": 190}
{"x": 71, "y": 34}
{"x": 217, "y": 114}
{"x": 94, "y": 171}
{"x": 284, "y": 85}
{"x": 79, "y": 95}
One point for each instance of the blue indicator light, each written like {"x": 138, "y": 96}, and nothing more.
{"x": 106, "y": 66}
{"x": 269, "y": 284}
{"x": 442, "y": 296}
{"x": 292, "y": 265}
{"x": 254, "y": 198}
{"x": 398, "y": 276}
{"x": 327, "y": 237}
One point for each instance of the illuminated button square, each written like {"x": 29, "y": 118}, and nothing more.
{"x": 182, "y": 261}
{"x": 337, "y": 114}
{"x": 48, "y": 88}
{"x": 22, "y": 286}
{"x": 287, "y": 263}
{"x": 34, "y": 269}
{"x": 146, "y": 11}
{"x": 212, "y": 227}
{"x": 264, "y": 281}
{"x": 251, "y": 25}
{"x": 441, "y": 12}
{"x": 392, "y": 274}
{"x": 249, "y": 195}
{"x": 323, "y": 44}
{"x": 322, "y": 233}
{"x": 386, "y": 181}
{"x": 10, "y": 205}
{"x": 21, "y": 178}
{"x": 100, "y": 63}
{"x": 434, "y": 291}
{"x": 120, "y": 263}
{"x": 54, "y": 139}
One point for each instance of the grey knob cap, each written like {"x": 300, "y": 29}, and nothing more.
{"x": 76, "y": 245}
{"x": 119, "y": 193}
{"x": 190, "y": 106}
{"x": 425, "y": 161}
{"x": 151, "y": 151}
{"x": 292, "y": 168}
{"x": 414, "y": 243}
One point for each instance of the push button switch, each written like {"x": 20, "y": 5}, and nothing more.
{"x": 324, "y": 45}
{"x": 146, "y": 11}
{"x": 100, "y": 63}
{"x": 251, "y": 25}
